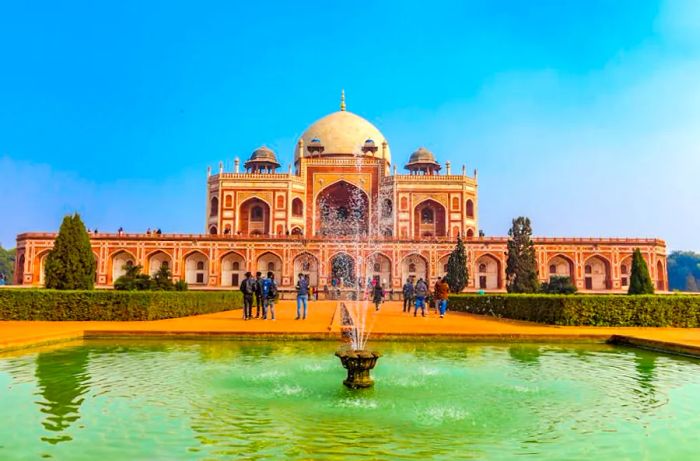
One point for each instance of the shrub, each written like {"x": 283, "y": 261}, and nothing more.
{"x": 593, "y": 310}
{"x": 558, "y": 285}
{"x": 40, "y": 304}
{"x": 133, "y": 280}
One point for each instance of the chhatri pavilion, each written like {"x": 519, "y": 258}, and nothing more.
{"x": 343, "y": 192}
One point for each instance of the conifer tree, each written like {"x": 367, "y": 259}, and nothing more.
{"x": 457, "y": 273}
{"x": 640, "y": 281}
{"x": 70, "y": 265}
{"x": 521, "y": 267}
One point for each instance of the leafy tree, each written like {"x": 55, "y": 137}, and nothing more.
{"x": 457, "y": 273}
{"x": 180, "y": 285}
{"x": 162, "y": 280}
{"x": 70, "y": 265}
{"x": 7, "y": 264}
{"x": 640, "y": 281}
{"x": 683, "y": 270}
{"x": 133, "y": 279}
{"x": 521, "y": 267}
{"x": 558, "y": 285}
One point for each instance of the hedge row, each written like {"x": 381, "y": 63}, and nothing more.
{"x": 40, "y": 304}
{"x": 594, "y": 310}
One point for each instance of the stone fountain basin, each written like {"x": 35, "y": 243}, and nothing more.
{"x": 358, "y": 364}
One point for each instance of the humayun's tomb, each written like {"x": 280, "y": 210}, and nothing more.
{"x": 345, "y": 191}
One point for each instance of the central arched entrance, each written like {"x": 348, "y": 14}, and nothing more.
{"x": 343, "y": 270}
{"x": 342, "y": 209}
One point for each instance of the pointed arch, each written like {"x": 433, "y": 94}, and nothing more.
{"x": 270, "y": 261}
{"x": 488, "y": 268}
{"x": 342, "y": 269}
{"x": 196, "y": 265}
{"x": 596, "y": 273}
{"x": 378, "y": 266}
{"x": 233, "y": 268}
{"x": 429, "y": 219}
{"x": 342, "y": 208}
{"x": 118, "y": 261}
{"x": 254, "y": 216}
{"x": 660, "y": 276}
{"x": 297, "y": 207}
{"x": 157, "y": 259}
{"x": 308, "y": 264}
{"x": 561, "y": 265}
{"x": 414, "y": 266}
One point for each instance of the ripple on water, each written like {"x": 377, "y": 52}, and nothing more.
{"x": 355, "y": 402}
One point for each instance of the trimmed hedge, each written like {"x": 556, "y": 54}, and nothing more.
{"x": 41, "y": 304}
{"x": 592, "y": 310}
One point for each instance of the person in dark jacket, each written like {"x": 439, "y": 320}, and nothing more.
{"x": 248, "y": 288}
{"x": 269, "y": 291}
{"x": 258, "y": 294}
{"x": 377, "y": 294}
{"x": 421, "y": 294}
{"x": 302, "y": 295}
{"x": 408, "y": 293}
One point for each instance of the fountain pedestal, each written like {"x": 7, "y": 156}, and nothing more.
{"x": 358, "y": 364}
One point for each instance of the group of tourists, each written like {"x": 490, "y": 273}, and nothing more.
{"x": 261, "y": 292}
{"x": 418, "y": 295}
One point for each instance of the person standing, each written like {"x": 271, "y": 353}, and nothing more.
{"x": 408, "y": 294}
{"x": 247, "y": 288}
{"x": 421, "y": 293}
{"x": 269, "y": 291}
{"x": 442, "y": 291}
{"x": 302, "y": 296}
{"x": 258, "y": 294}
{"x": 377, "y": 294}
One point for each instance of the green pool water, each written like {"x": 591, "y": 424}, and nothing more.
{"x": 165, "y": 400}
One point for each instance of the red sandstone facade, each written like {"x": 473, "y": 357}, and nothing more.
{"x": 343, "y": 202}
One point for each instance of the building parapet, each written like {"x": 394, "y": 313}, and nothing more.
{"x": 320, "y": 238}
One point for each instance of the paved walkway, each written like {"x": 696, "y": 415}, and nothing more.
{"x": 323, "y": 322}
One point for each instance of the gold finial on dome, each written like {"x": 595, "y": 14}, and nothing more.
{"x": 342, "y": 99}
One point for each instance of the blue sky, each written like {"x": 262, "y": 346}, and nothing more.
{"x": 584, "y": 115}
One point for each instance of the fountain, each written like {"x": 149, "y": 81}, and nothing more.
{"x": 345, "y": 212}
{"x": 356, "y": 359}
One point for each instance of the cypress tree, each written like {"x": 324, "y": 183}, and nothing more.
{"x": 457, "y": 273}
{"x": 521, "y": 267}
{"x": 70, "y": 265}
{"x": 640, "y": 281}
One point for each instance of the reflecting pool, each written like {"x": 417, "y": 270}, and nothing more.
{"x": 139, "y": 400}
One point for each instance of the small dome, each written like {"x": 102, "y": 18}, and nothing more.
{"x": 262, "y": 155}
{"x": 315, "y": 142}
{"x": 369, "y": 142}
{"x": 422, "y": 155}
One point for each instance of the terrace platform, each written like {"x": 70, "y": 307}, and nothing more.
{"x": 322, "y": 323}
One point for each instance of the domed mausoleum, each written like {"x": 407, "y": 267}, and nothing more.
{"x": 402, "y": 214}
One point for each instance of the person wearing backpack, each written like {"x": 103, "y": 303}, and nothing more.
{"x": 269, "y": 292}
{"x": 302, "y": 296}
{"x": 248, "y": 288}
{"x": 421, "y": 293}
{"x": 408, "y": 293}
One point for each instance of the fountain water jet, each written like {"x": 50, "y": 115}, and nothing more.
{"x": 356, "y": 359}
